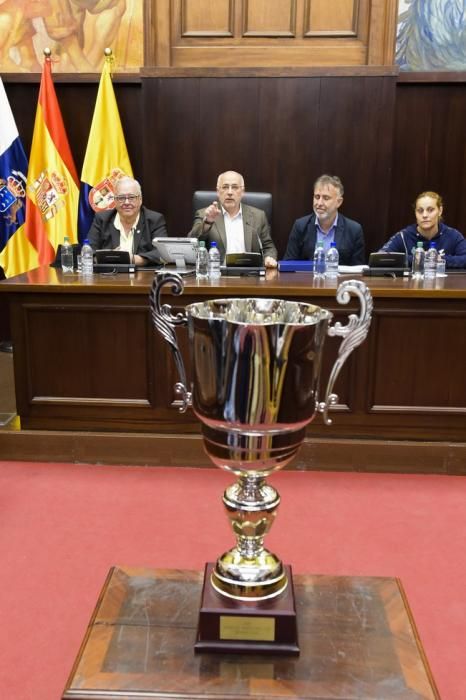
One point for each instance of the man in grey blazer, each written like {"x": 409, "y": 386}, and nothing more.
{"x": 235, "y": 227}
{"x": 326, "y": 224}
{"x": 129, "y": 226}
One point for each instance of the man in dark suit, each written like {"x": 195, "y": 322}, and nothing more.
{"x": 235, "y": 227}
{"x": 326, "y": 224}
{"x": 130, "y": 226}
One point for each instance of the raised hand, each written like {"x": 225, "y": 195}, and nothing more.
{"x": 212, "y": 212}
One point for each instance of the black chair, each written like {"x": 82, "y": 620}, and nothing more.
{"x": 260, "y": 200}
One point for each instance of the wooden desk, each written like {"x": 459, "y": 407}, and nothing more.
{"x": 357, "y": 637}
{"x": 87, "y": 357}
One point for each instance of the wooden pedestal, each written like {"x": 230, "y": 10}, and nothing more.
{"x": 356, "y": 634}
{"x": 231, "y": 626}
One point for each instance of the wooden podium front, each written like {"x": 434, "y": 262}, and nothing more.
{"x": 357, "y": 637}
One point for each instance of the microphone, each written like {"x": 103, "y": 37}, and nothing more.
{"x": 261, "y": 248}
{"x": 133, "y": 253}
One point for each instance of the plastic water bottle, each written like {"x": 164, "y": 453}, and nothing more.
{"x": 202, "y": 262}
{"x": 430, "y": 262}
{"x": 332, "y": 258}
{"x": 214, "y": 262}
{"x": 441, "y": 264}
{"x": 417, "y": 269}
{"x": 87, "y": 259}
{"x": 319, "y": 261}
{"x": 66, "y": 255}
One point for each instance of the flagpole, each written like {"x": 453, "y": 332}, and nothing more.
{"x": 109, "y": 58}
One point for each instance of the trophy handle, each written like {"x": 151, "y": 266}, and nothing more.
{"x": 353, "y": 335}
{"x": 165, "y": 323}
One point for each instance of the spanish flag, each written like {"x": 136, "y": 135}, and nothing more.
{"x": 106, "y": 158}
{"x": 16, "y": 253}
{"x": 52, "y": 181}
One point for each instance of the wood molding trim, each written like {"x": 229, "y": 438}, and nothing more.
{"x": 147, "y": 449}
{"x": 270, "y": 72}
{"x": 431, "y": 77}
{"x": 157, "y": 33}
{"x": 382, "y": 32}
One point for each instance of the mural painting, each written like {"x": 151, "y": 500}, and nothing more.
{"x": 431, "y": 35}
{"x": 77, "y": 31}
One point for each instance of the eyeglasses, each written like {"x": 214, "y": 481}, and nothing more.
{"x": 124, "y": 197}
{"x": 235, "y": 188}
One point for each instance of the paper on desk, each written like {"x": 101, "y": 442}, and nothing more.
{"x": 351, "y": 269}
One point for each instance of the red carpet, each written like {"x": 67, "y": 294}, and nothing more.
{"x": 62, "y": 526}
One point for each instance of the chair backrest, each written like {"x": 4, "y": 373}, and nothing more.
{"x": 261, "y": 200}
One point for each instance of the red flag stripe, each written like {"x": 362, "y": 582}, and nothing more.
{"x": 53, "y": 119}
{"x": 37, "y": 235}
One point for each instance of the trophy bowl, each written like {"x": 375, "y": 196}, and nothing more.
{"x": 256, "y": 366}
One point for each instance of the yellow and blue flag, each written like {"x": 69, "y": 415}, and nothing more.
{"x": 16, "y": 253}
{"x": 106, "y": 158}
{"x": 52, "y": 181}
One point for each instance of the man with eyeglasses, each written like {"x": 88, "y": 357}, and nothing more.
{"x": 235, "y": 227}
{"x": 129, "y": 226}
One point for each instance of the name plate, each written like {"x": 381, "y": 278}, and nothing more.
{"x": 254, "y": 629}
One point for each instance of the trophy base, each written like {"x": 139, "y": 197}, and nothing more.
{"x": 231, "y": 626}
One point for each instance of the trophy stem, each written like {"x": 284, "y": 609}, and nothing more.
{"x": 249, "y": 571}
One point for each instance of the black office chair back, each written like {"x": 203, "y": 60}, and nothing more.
{"x": 260, "y": 200}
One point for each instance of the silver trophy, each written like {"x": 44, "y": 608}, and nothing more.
{"x": 256, "y": 367}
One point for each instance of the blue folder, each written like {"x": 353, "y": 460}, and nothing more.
{"x": 295, "y": 265}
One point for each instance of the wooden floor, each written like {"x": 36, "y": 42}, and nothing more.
{"x": 357, "y": 638}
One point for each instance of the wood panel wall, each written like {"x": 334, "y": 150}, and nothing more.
{"x": 238, "y": 33}
{"x": 387, "y": 139}
{"x": 429, "y": 150}
{"x": 281, "y": 133}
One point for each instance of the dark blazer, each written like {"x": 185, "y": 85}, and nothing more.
{"x": 104, "y": 236}
{"x": 349, "y": 238}
{"x": 255, "y": 226}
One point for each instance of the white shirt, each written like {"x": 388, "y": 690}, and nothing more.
{"x": 234, "y": 231}
{"x": 126, "y": 239}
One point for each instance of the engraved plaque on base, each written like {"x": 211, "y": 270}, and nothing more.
{"x": 233, "y": 626}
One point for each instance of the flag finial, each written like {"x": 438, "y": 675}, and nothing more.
{"x": 109, "y": 59}
{"x": 47, "y": 52}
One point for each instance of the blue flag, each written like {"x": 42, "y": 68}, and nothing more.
{"x": 17, "y": 255}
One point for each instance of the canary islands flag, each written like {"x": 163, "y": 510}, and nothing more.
{"x": 52, "y": 181}
{"x": 16, "y": 253}
{"x": 106, "y": 158}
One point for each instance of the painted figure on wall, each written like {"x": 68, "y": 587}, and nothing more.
{"x": 431, "y": 35}
{"x": 77, "y": 31}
